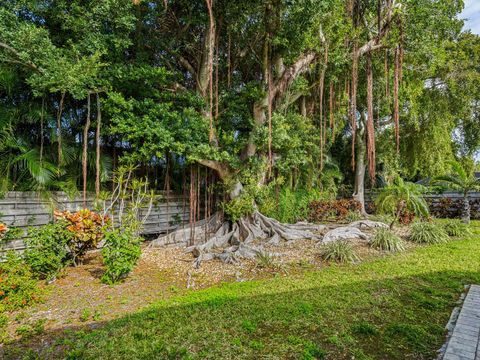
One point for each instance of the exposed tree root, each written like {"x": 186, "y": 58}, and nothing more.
{"x": 214, "y": 239}
{"x": 343, "y": 233}
{"x": 368, "y": 224}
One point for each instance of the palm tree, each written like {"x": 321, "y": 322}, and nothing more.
{"x": 461, "y": 181}
{"x": 400, "y": 196}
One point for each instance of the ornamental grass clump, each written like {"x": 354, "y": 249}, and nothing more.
{"x": 339, "y": 251}
{"x": 386, "y": 240}
{"x": 456, "y": 228}
{"x": 428, "y": 233}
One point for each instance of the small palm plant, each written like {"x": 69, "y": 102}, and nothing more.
{"x": 401, "y": 196}
{"x": 460, "y": 180}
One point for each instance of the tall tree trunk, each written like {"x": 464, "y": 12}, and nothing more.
{"x": 98, "y": 150}
{"x": 59, "y": 129}
{"x": 84, "y": 154}
{"x": 42, "y": 116}
{"x": 396, "y": 104}
{"x": 359, "y": 189}
{"x": 323, "y": 70}
{"x": 353, "y": 99}
{"x": 370, "y": 125}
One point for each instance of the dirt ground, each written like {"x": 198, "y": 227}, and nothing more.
{"x": 79, "y": 299}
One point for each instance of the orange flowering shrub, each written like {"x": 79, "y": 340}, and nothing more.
{"x": 87, "y": 228}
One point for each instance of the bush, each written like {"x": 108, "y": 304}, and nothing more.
{"x": 340, "y": 251}
{"x": 9, "y": 233}
{"x": 456, "y": 228}
{"x": 384, "y": 239}
{"x": 428, "y": 233}
{"x": 47, "y": 249}
{"x": 287, "y": 205}
{"x": 120, "y": 254}
{"x": 18, "y": 288}
{"x": 87, "y": 228}
{"x": 332, "y": 209}
{"x": 239, "y": 207}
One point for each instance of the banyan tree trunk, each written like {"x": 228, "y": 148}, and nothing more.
{"x": 242, "y": 239}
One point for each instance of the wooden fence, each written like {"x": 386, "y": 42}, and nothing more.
{"x": 26, "y": 209}
{"x": 444, "y": 205}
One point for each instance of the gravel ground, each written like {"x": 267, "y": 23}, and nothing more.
{"x": 78, "y": 298}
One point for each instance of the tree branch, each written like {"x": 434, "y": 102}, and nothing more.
{"x": 222, "y": 169}
{"x": 374, "y": 44}
{"x": 27, "y": 63}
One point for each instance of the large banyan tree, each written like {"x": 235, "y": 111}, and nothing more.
{"x": 331, "y": 48}
{"x": 244, "y": 94}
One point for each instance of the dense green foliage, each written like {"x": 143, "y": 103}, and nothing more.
{"x": 47, "y": 250}
{"x": 399, "y": 197}
{"x": 287, "y": 205}
{"x": 386, "y": 240}
{"x": 428, "y": 233}
{"x": 463, "y": 181}
{"x": 142, "y": 82}
{"x": 120, "y": 254}
{"x": 18, "y": 288}
{"x": 395, "y": 307}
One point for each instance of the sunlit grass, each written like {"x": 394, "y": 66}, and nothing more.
{"x": 395, "y": 307}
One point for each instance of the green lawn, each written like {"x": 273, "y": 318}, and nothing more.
{"x": 395, "y": 307}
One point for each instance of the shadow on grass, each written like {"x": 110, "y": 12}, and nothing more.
{"x": 302, "y": 318}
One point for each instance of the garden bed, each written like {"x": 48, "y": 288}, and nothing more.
{"x": 385, "y": 307}
{"x": 79, "y": 298}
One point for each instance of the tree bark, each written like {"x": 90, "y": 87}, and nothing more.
{"x": 98, "y": 150}
{"x": 359, "y": 189}
{"x": 466, "y": 209}
{"x": 59, "y": 129}
{"x": 42, "y": 140}
{"x": 370, "y": 125}
{"x": 84, "y": 153}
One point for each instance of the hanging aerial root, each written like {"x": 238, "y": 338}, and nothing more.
{"x": 243, "y": 239}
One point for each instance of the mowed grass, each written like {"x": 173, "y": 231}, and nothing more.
{"x": 395, "y": 307}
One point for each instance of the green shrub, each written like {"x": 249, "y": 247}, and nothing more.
{"x": 456, "y": 228}
{"x": 288, "y": 206}
{"x": 12, "y": 234}
{"x": 47, "y": 249}
{"x": 384, "y": 239}
{"x": 353, "y": 216}
{"x": 340, "y": 251}
{"x": 428, "y": 233}
{"x": 120, "y": 254}
{"x": 239, "y": 207}
{"x": 18, "y": 288}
